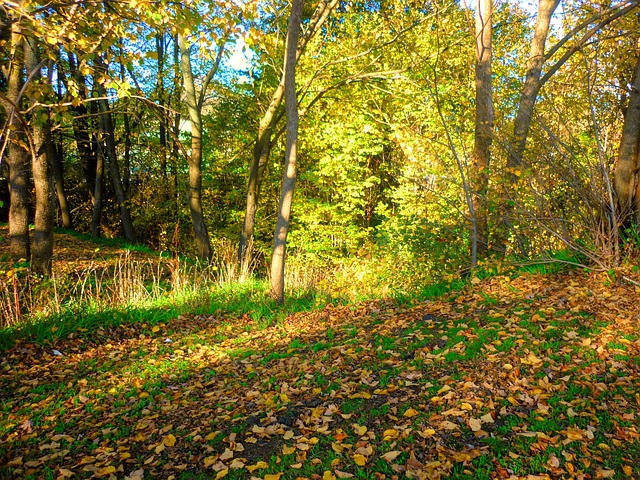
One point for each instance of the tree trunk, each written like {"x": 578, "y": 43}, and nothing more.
{"x": 58, "y": 174}
{"x": 42, "y": 170}
{"x": 522, "y": 124}
{"x": 161, "y": 101}
{"x": 18, "y": 157}
{"x": 253, "y": 193}
{"x": 97, "y": 193}
{"x": 108, "y": 129}
{"x": 106, "y": 121}
{"x": 530, "y": 89}
{"x": 289, "y": 180}
{"x": 484, "y": 126}
{"x": 194, "y": 161}
{"x": 626, "y": 173}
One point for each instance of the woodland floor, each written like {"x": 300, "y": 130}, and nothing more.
{"x": 532, "y": 377}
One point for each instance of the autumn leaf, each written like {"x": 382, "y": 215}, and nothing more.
{"x": 169, "y": 440}
{"x": 391, "y": 456}
{"x": 410, "y": 413}
{"x": 359, "y": 459}
{"x": 273, "y": 476}
{"x": 259, "y": 465}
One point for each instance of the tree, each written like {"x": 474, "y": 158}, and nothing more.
{"x": 18, "y": 157}
{"x": 291, "y": 151}
{"x": 626, "y": 172}
{"x": 41, "y": 162}
{"x": 195, "y": 103}
{"x": 263, "y": 143}
{"x": 483, "y": 127}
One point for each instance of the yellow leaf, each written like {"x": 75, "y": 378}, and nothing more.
{"x": 155, "y": 329}
{"x": 287, "y": 450}
{"x": 360, "y": 460}
{"x": 222, "y": 473}
{"x": 103, "y": 472}
{"x": 359, "y": 430}
{"x": 410, "y": 413}
{"x": 258, "y": 465}
{"x": 288, "y": 435}
{"x": 169, "y": 440}
{"x": 628, "y": 471}
{"x": 159, "y": 448}
{"x": 475, "y": 280}
{"x": 390, "y": 434}
{"x": 208, "y": 461}
{"x": 327, "y": 475}
{"x": 273, "y": 476}
{"x": 236, "y": 464}
{"x": 466, "y": 406}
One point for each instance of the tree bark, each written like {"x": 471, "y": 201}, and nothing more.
{"x": 484, "y": 127}
{"x": 291, "y": 150}
{"x": 18, "y": 157}
{"x": 42, "y": 252}
{"x": 626, "y": 182}
{"x": 194, "y": 161}
{"x": 97, "y": 193}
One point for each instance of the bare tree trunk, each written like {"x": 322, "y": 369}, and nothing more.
{"x": 160, "y": 47}
{"x": 291, "y": 150}
{"x": 97, "y": 193}
{"x": 484, "y": 126}
{"x": 626, "y": 182}
{"x": 194, "y": 191}
{"x": 108, "y": 129}
{"x": 57, "y": 157}
{"x": 58, "y": 174}
{"x": 18, "y": 158}
{"x": 531, "y": 87}
{"x": 253, "y": 193}
{"x": 42, "y": 171}
{"x": 263, "y": 141}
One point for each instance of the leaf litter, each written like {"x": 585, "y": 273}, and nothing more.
{"x": 534, "y": 377}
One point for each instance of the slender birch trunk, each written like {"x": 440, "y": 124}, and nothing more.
{"x": 291, "y": 150}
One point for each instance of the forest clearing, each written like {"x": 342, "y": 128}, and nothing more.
{"x": 320, "y": 239}
{"x": 514, "y": 376}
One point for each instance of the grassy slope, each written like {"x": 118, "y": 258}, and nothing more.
{"x": 532, "y": 376}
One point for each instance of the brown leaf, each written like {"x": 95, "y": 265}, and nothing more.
{"x": 391, "y": 456}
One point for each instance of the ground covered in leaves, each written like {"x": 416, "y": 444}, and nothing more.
{"x": 533, "y": 377}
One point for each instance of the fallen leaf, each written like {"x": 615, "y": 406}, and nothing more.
{"x": 391, "y": 456}
{"x": 359, "y": 459}
{"x": 169, "y": 440}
